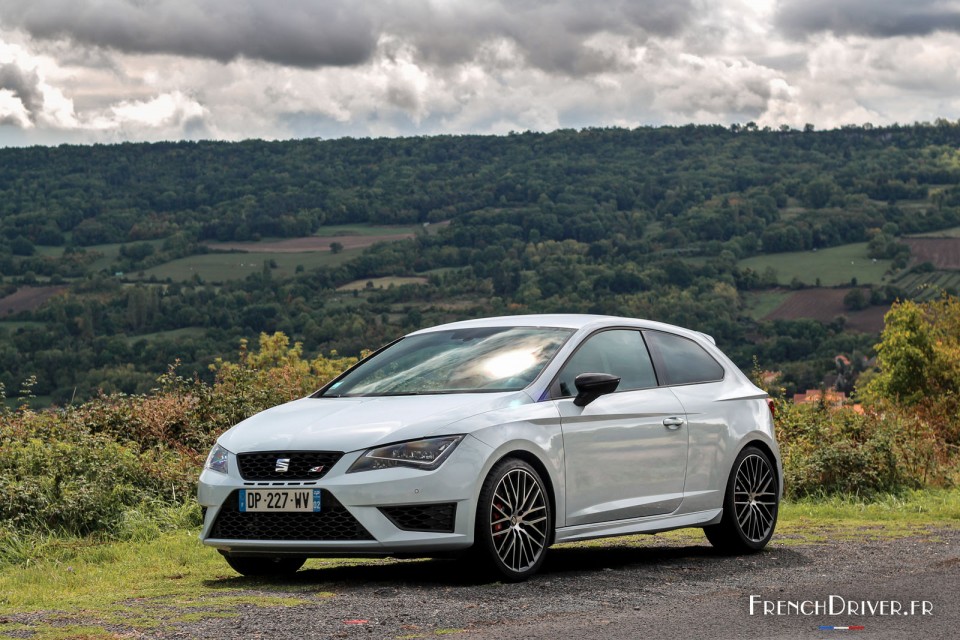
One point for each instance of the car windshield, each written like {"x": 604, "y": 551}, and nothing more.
{"x": 484, "y": 359}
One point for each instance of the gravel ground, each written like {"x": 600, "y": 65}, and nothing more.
{"x": 658, "y": 591}
{"x": 661, "y": 589}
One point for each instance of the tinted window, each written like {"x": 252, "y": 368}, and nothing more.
{"x": 619, "y": 352}
{"x": 682, "y": 361}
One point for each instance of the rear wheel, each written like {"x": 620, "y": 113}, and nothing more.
{"x": 513, "y": 520}
{"x": 265, "y": 567}
{"x": 750, "y": 505}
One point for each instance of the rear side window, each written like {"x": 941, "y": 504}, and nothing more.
{"x": 680, "y": 360}
{"x": 619, "y": 352}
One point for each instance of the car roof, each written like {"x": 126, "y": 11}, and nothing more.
{"x": 564, "y": 321}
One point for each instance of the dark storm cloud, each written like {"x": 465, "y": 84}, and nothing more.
{"x": 551, "y": 35}
{"x": 877, "y": 18}
{"x": 302, "y": 33}
{"x": 24, "y": 85}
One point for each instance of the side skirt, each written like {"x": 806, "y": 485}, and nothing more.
{"x": 650, "y": 524}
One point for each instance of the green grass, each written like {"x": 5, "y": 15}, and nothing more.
{"x": 367, "y": 230}
{"x": 48, "y": 252}
{"x": 173, "y": 334}
{"x": 87, "y": 588}
{"x": 110, "y": 253}
{"x": 822, "y": 520}
{"x": 758, "y": 305}
{"x": 382, "y": 283}
{"x": 833, "y": 266}
{"x": 13, "y": 325}
{"x": 952, "y": 232}
{"x": 221, "y": 267}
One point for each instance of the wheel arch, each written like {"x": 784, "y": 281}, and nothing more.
{"x": 535, "y": 462}
{"x": 765, "y": 447}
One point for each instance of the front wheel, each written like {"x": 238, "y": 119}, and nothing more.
{"x": 750, "y": 505}
{"x": 255, "y": 566}
{"x": 514, "y": 520}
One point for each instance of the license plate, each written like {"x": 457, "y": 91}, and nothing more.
{"x": 280, "y": 500}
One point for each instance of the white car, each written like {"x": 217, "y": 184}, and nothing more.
{"x": 501, "y": 436}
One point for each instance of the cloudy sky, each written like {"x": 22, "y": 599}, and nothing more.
{"x": 87, "y": 71}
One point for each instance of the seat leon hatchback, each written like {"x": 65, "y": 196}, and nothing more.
{"x": 500, "y": 437}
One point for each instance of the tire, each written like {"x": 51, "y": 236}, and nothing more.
{"x": 256, "y": 566}
{"x": 750, "y": 505}
{"x": 514, "y": 523}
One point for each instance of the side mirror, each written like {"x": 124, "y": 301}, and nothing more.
{"x": 591, "y": 386}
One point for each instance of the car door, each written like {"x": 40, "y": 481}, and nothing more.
{"x": 625, "y": 453}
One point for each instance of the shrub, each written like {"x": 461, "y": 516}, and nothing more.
{"x": 829, "y": 451}
{"x": 126, "y": 466}
{"x": 80, "y": 482}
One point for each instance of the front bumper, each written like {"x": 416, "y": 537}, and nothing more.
{"x": 361, "y": 495}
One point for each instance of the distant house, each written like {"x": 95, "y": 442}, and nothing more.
{"x": 831, "y": 398}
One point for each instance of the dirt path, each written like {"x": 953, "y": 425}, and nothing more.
{"x": 660, "y": 591}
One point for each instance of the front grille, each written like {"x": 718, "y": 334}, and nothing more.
{"x": 333, "y": 522}
{"x": 437, "y": 518}
{"x": 262, "y": 465}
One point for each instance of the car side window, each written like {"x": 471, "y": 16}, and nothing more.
{"x": 620, "y": 352}
{"x": 681, "y": 360}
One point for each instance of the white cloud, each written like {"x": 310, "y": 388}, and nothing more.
{"x": 451, "y": 66}
{"x": 12, "y": 110}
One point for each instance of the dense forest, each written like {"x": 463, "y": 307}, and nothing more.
{"x": 650, "y": 222}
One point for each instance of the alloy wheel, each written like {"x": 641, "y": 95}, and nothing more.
{"x": 518, "y": 520}
{"x": 755, "y": 497}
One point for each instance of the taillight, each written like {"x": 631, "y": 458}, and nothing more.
{"x": 773, "y": 407}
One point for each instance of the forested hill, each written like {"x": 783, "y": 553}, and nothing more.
{"x": 235, "y": 191}
{"x": 112, "y": 265}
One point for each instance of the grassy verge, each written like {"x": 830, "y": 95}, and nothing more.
{"x": 86, "y": 589}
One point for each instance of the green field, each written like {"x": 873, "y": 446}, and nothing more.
{"x": 927, "y": 286}
{"x": 382, "y": 283}
{"x": 13, "y": 325}
{"x": 173, "y": 334}
{"x": 953, "y": 232}
{"x": 758, "y": 305}
{"x": 108, "y": 252}
{"x": 366, "y": 230}
{"x": 834, "y": 266}
{"x": 221, "y": 267}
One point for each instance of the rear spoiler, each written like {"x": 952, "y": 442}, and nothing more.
{"x": 708, "y": 337}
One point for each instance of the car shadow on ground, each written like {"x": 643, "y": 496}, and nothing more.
{"x": 561, "y": 562}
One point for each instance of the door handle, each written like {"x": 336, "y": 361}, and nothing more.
{"x": 673, "y": 423}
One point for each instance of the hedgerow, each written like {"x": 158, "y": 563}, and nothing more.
{"x": 843, "y": 451}
{"x": 120, "y": 465}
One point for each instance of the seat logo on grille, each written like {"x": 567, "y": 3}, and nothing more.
{"x": 283, "y": 465}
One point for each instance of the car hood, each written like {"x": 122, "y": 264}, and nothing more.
{"x": 349, "y": 424}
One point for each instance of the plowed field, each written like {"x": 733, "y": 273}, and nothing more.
{"x": 825, "y": 305}
{"x": 943, "y": 253}
{"x": 27, "y": 299}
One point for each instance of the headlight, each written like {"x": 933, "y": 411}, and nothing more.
{"x": 426, "y": 454}
{"x": 217, "y": 460}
